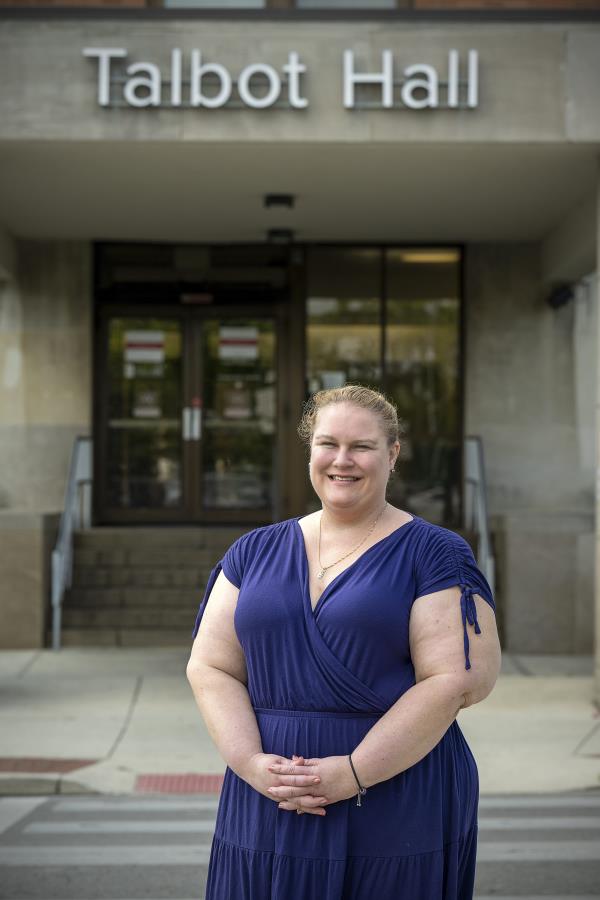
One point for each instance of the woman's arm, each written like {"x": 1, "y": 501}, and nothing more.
{"x": 218, "y": 677}
{"x": 420, "y": 718}
{"x": 413, "y": 726}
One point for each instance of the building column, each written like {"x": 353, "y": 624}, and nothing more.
{"x": 8, "y": 256}
{"x": 597, "y": 523}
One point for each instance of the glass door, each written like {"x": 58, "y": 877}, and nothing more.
{"x": 238, "y": 446}
{"x": 140, "y": 473}
{"x": 186, "y": 429}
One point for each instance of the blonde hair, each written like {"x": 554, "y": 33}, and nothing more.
{"x": 364, "y": 397}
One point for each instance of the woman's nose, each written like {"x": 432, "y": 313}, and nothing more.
{"x": 343, "y": 457}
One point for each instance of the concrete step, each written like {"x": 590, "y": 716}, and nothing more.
{"x": 171, "y": 637}
{"x": 128, "y": 597}
{"x": 139, "y": 576}
{"x": 122, "y": 619}
{"x": 140, "y": 586}
{"x": 177, "y": 537}
{"x": 86, "y": 637}
{"x": 148, "y": 557}
{"x": 126, "y": 637}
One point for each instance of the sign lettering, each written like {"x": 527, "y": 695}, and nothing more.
{"x": 210, "y": 85}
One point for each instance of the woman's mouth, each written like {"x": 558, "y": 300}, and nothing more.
{"x": 344, "y": 478}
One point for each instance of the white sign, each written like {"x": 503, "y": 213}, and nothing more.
{"x": 259, "y": 85}
{"x": 144, "y": 346}
{"x": 238, "y": 343}
{"x": 146, "y": 405}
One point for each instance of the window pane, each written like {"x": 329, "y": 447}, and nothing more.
{"x": 239, "y": 441}
{"x": 346, "y": 4}
{"x": 144, "y": 413}
{"x": 214, "y": 4}
{"x": 343, "y": 317}
{"x": 422, "y": 359}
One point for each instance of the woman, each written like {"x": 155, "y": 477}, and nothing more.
{"x": 331, "y": 659}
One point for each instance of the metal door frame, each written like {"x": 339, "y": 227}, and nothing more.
{"x": 190, "y": 512}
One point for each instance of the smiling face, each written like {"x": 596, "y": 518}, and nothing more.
{"x": 350, "y": 457}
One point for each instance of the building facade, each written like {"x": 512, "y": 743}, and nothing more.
{"x": 209, "y": 213}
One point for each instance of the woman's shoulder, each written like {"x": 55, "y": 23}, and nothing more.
{"x": 433, "y": 541}
{"x": 264, "y": 534}
{"x": 444, "y": 557}
{"x": 249, "y": 547}
{"x": 433, "y": 531}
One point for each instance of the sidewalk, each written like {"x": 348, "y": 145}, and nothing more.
{"x": 123, "y": 720}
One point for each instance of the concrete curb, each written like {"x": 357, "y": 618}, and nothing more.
{"x": 31, "y": 785}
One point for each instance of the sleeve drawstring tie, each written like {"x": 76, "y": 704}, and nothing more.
{"x": 469, "y": 614}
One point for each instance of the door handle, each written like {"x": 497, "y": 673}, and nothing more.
{"x": 186, "y": 423}
{"x": 196, "y": 423}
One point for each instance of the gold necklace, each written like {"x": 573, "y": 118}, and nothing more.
{"x": 321, "y": 573}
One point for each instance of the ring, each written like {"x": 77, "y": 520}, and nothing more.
{"x": 299, "y": 812}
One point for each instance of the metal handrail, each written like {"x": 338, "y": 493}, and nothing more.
{"x": 475, "y": 506}
{"x": 77, "y": 513}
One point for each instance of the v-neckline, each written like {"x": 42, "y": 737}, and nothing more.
{"x": 306, "y": 568}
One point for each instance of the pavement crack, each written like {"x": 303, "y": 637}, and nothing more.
{"x": 584, "y": 740}
{"x": 521, "y": 667}
{"x": 128, "y": 716}
{"x": 29, "y": 664}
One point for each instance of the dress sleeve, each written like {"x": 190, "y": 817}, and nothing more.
{"x": 446, "y": 561}
{"x": 232, "y": 564}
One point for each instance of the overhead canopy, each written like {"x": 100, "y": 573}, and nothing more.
{"x": 362, "y": 192}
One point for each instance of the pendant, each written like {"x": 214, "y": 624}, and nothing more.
{"x": 321, "y": 573}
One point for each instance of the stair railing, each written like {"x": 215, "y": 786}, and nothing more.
{"x": 475, "y": 508}
{"x": 77, "y": 513}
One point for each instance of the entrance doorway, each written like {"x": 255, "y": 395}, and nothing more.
{"x": 187, "y": 425}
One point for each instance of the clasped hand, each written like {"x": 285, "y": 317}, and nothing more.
{"x": 304, "y": 785}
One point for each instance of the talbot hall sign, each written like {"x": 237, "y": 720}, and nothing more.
{"x": 202, "y": 83}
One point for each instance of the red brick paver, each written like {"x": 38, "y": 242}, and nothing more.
{"x": 188, "y": 783}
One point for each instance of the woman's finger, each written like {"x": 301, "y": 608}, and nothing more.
{"x": 279, "y": 769}
{"x": 310, "y": 802}
{"x": 298, "y": 780}
{"x": 292, "y": 807}
{"x": 287, "y": 792}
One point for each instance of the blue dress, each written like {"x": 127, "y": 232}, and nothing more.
{"x": 318, "y": 681}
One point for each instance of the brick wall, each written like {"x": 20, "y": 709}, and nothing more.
{"x": 77, "y": 3}
{"x": 507, "y": 4}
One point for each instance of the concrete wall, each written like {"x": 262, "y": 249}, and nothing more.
{"x": 596, "y": 567}
{"x": 45, "y": 401}
{"x": 45, "y": 390}
{"x": 538, "y": 82}
{"x": 8, "y": 257}
{"x": 568, "y": 252}
{"x": 26, "y": 543}
{"x": 520, "y": 397}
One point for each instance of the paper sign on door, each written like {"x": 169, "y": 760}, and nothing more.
{"x": 238, "y": 343}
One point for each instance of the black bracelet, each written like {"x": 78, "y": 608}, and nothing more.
{"x": 361, "y": 790}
